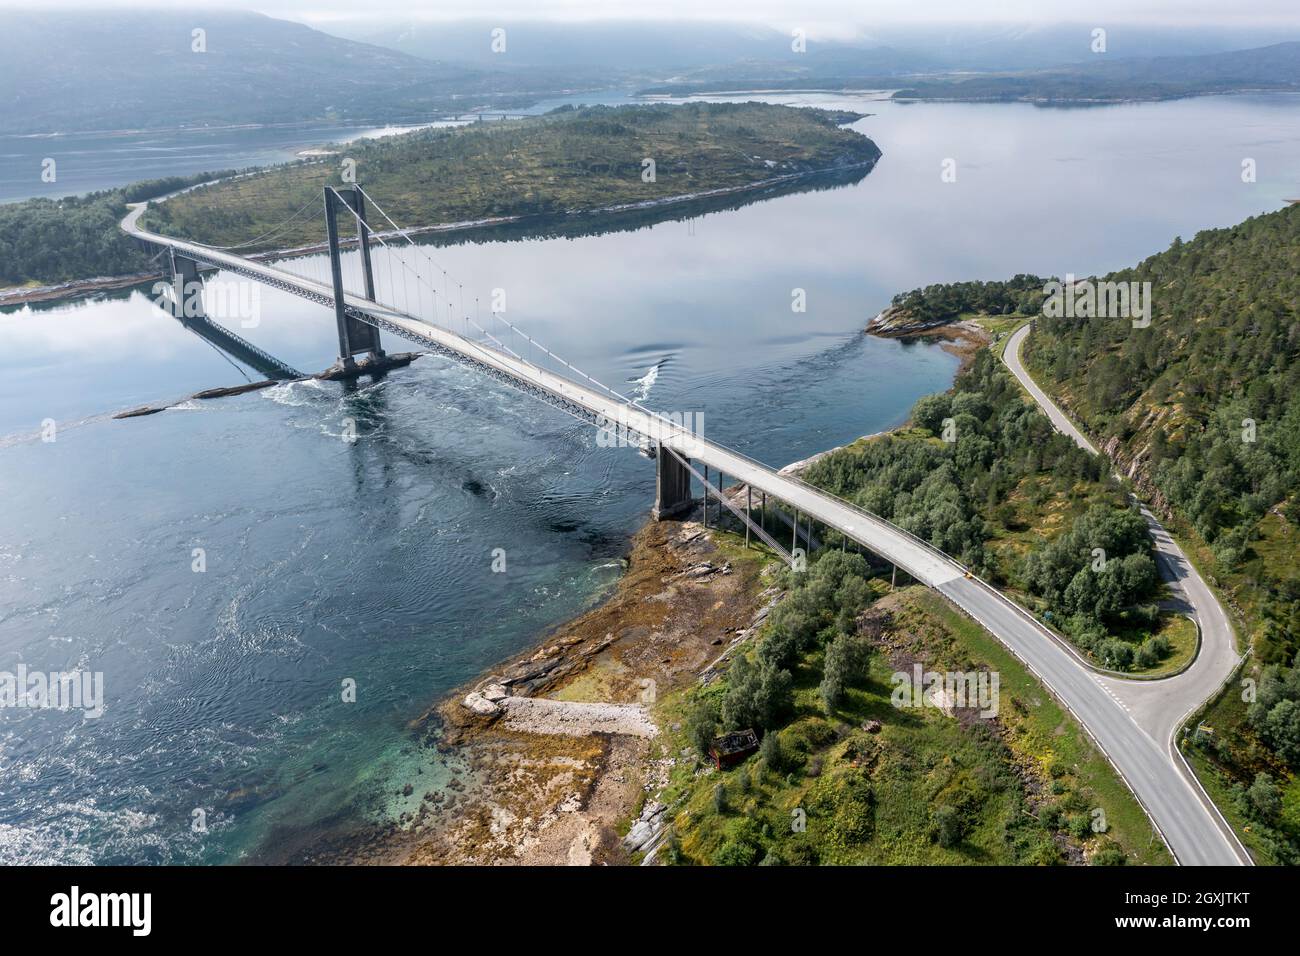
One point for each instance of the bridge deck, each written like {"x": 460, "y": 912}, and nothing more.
{"x": 1187, "y": 825}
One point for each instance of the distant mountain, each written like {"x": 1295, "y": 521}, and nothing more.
{"x": 1275, "y": 67}
{"x": 1011, "y": 46}
{"x": 613, "y": 45}
{"x": 136, "y": 69}
{"x": 664, "y": 48}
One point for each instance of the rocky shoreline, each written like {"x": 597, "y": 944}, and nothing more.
{"x": 560, "y": 747}
{"x": 962, "y": 338}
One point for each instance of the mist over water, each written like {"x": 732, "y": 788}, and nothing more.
{"x": 328, "y": 560}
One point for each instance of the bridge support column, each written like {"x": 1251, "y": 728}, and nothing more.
{"x": 749, "y": 511}
{"x": 355, "y": 336}
{"x": 706, "y": 496}
{"x": 672, "y": 485}
{"x": 187, "y": 288}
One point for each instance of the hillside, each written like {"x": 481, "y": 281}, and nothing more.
{"x": 1108, "y": 79}
{"x": 1203, "y": 408}
{"x": 1169, "y": 401}
{"x": 137, "y": 70}
{"x": 569, "y": 160}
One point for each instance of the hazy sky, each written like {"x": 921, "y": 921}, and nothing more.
{"x": 780, "y": 12}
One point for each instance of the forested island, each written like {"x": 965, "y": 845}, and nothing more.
{"x": 567, "y": 162}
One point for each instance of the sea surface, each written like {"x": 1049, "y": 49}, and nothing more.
{"x": 235, "y": 567}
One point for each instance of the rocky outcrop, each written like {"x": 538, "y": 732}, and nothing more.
{"x": 478, "y": 704}
{"x": 897, "y": 322}
{"x": 647, "y": 831}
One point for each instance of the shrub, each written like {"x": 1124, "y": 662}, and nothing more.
{"x": 845, "y": 663}
{"x": 701, "y": 724}
{"x": 720, "y": 798}
{"x": 1079, "y": 826}
{"x": 735, "y": 852}
{"x": 1108, "y": 854}
{"x": 742, "y": 847}
{"x": 769, "y": 751}
{"x": 758, "y": 695}
{"x": 1114, "y": 653}
{"x": 1264, "y": 798}
{"x": 948, "y": 826}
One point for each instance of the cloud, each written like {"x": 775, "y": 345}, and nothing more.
{"x": 833, "y": 16}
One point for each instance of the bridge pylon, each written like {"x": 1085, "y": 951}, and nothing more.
{"x": 187, "y": 288}
{"x": 355, "y": 337}
{"x": 672, "y": 485}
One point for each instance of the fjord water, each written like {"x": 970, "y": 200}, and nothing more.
{"x": 86, "y": 162}
{"x": 330, "y": 561}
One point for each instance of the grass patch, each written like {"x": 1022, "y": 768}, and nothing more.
{"x": 1180, "y": 631}
{"x": 925, "y": 788}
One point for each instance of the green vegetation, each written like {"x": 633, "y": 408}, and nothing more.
{"x": 982, "y": 475}
{"x": 947, "y": 302}
{"x": 1205, "y": 405}
{"x": 1206, "y": 402}
{"x": 843, "y": 776}
{"x": 58, "y": 240}
{"x": 566, "y": 161}
{"x": 1202, "y": 407}
{"x": 1243, "y": 750}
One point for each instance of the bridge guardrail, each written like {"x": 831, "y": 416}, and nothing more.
{"x": 222, "y": 260}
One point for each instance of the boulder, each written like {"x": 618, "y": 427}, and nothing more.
{"x": 480, "y": 705}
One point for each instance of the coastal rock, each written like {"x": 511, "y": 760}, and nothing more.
{"x": 700, "y": 570}
{"x": 495, "y": 692}
{"x": 480, "y": 705}
{"x": 647, "y": 826}
{"x": 576, "y": 718}
{"x": 897, "y": 322}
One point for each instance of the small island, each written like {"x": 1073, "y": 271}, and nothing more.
{"x": 570, "y": 162}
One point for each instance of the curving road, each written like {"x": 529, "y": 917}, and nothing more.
{"x": 1184, "y": 818}
{"x": 1159, "y": 707}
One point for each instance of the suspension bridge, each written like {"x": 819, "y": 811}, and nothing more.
{"x": 403, "y": 297}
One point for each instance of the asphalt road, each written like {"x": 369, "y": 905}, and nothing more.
{"x": 1159, "y": 707}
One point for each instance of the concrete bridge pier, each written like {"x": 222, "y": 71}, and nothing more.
{"x": 187, "y": 303}
{"x": 355, "y": 337}
{"x": 672, "y": 485}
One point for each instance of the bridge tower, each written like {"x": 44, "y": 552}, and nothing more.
{"x": 355, "y": 336}
{"x": 672, "y": 485}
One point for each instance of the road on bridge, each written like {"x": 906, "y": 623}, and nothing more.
{"x": 1184, "y": 818}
